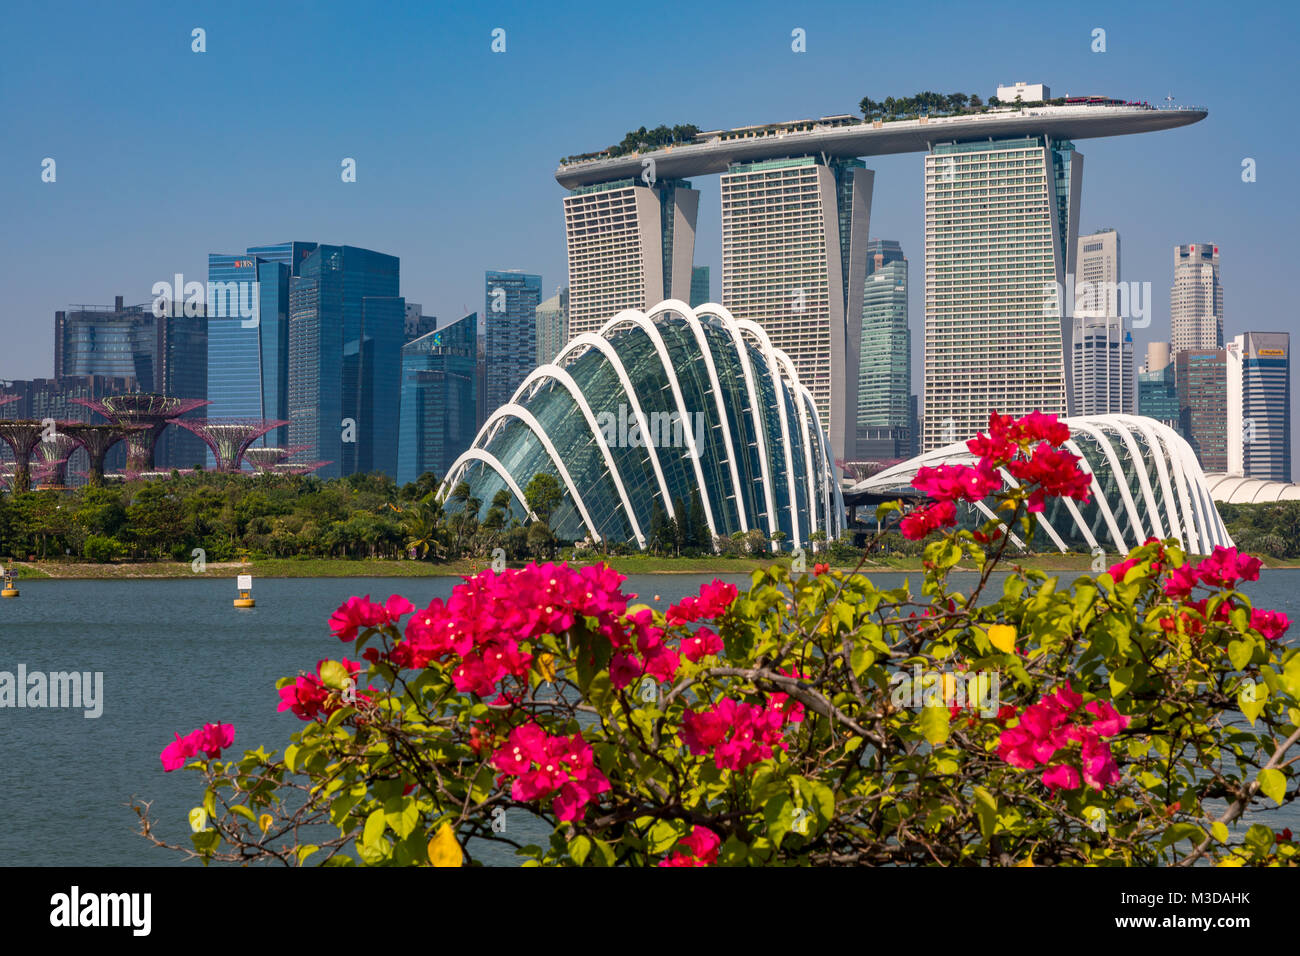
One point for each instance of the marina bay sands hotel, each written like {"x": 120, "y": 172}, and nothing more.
{"x": 1002, "y": 191}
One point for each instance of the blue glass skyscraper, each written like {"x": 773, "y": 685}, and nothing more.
{"x": 511, "y": 348}
{"x": 248, "y": 363}
{"x": 439, "y": 400}
{"x": 346, "y": 330}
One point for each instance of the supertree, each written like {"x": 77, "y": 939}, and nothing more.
{"x": 150, "y": 410}
{"x": 229, "y": 438}
{"x": 22, "y": 437}
{"x": 267, "y": 457}
{"x": 97, "y": 440}
{"x": 55, "y": 450}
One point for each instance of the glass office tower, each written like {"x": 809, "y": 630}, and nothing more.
{"x": 511, "y": 317}
{"x": 439, "y": 404}
{"x": 248, "y": 362}
{"x": 1001, "y": 234}
{"x": 346, "y": 330}
{"x": 885, "y": 366}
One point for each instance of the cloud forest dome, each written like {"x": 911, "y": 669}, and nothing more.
{"x": 1146, "y": 482}
{"x": 650, "y": 409}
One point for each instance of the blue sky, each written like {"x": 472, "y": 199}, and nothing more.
{"x": 164, "y": 155}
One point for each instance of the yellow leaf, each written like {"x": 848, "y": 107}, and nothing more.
{"x": 264, "y": 822}
{"x": 443, "y": 848}
{"x": 1003, "y": 637}
{"x": 546, "y": 665}
{"x": 1027, "y": 861}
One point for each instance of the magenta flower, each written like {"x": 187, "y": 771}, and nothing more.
{"x": 209, "y": 739}
{"x": 1272, "y": 624}
{"x": 702, "y": 643}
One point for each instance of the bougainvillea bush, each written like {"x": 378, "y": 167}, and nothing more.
{"x": 1146, "y": 715}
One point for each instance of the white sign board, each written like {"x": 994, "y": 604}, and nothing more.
{"x": 245, "y": 582}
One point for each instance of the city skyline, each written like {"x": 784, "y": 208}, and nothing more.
{"x": 1138, "y": 185}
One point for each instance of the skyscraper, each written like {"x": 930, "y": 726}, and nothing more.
{"x": 1102, "y": 346}
{"x": 1000, "y": 235}
{"x": 699, "y": 286}
{"x": 511, "y": 315}
{"x": 1196, "y": 299}
{"x": 439, "y": 404}
{"x": 794, "y": 247}
{"x": 1157, "y": 387}
{"x": 630, "y": 247}
{"x": 346, "y": 326}
{"x": 552, "y": 326}
{"x": 248, "y": 358}
{"x": 885, "y": 364}
{"x": 1259, "y": 405}
{"x": 1201, "y": 375}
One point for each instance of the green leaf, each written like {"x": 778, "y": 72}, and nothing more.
{"x": 579, "y": 849}
{"x": 401, "y": 814}
{"x": 860, "y": 658}
{"x": 986, "y": 808}
{"x": 1120, "y": 681}
{"x": 1272, "y": 783}
{"x": 1240, "y": 652}
{"x": 373, "y": 834}
{"x": 306, "y": 851}
{"x": 933, "y": 724}
{"x": 334, "y": 675}
{"x": 1219, "y": 831}
{"x": 778, "y": 813}
{"x": 240, "y": 810}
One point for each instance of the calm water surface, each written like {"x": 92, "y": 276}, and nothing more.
{"x": 175, "y": 655}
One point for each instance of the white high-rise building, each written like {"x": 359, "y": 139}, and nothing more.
{"x": 794, "y": 247}
{"x": 1102, "y": 346}
{"x": 630, "y": 247}
{"x": 1196, "y": 299}
{"x": 1000, "y": 234}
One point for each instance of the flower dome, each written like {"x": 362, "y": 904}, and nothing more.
{"x": 656, "y": 408}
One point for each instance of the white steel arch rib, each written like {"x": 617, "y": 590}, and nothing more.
{"x": 558, "y": 374}
{"x": 796, "y": 400}
{"x": 833, "y": 510}
{"x": 607, "y": 350}
{"x": 1124, "y": 425}
{"x": 486, "y": 457}
{"x": 765, "y": 343}
{"x": 640, "y": 320}
{"x": 1191, "y": 537}
{"x": 511, "y": 410}
{"x": 1107, "y": 515}
{"x": 756, "y": 419}
{"x": 1160, "y": 453}
{"x": 674, "y": 305}
{"x": 1135, "y": 519}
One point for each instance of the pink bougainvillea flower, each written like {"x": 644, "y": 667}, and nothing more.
{"x": 1226, "y": 566}
{"x": 701, "y": 849}
{"x": 210, "y": 739}
{"x": 1061, "y": 776}
{"x": 702, "y": 643}
{"x": 1272, "y": 624}
{"x": 356, "y": 613}
{"x": 178, "y": 751}
{"x": 1181, "y": 581}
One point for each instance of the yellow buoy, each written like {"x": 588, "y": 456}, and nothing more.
{"x": 245, "y": 585}
{"x": 245, "y": 599}
{"x": 9, "y": 592}
{"x": 10, "y": 589}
